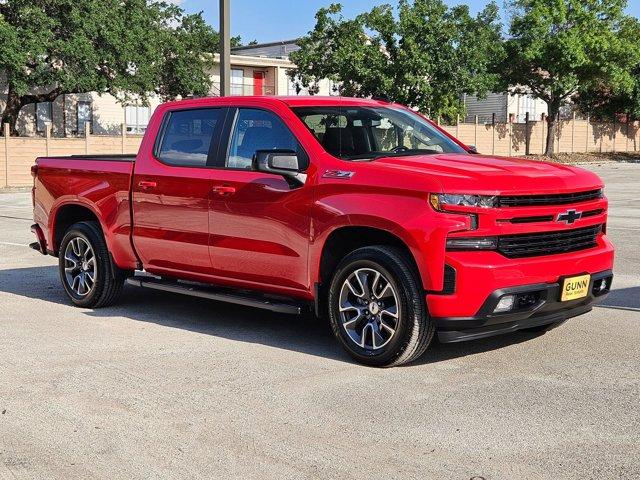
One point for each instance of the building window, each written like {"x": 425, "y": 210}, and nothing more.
{"x": 43, "y": 115}
{"x": 136, "y": 118}
{"x": 237, "y": 81}
{"x": 84, "y": 114}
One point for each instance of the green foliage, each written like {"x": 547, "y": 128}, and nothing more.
{"x": 123, "y": 47}
{"x": 604, "y": 103}
{"x": 427, "y": 56}
{"x": 603, "y": 100}
{"x": 558, "y": 48}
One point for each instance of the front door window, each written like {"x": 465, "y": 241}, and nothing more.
{"x": 257, "y": 130}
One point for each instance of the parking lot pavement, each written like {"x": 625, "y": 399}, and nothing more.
{"x": 166, "y": 386}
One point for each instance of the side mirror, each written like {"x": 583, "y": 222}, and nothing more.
{"x": 278, "y": 162}
{"x": 472, "y": 149}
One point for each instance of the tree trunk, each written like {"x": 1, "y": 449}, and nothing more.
{"x": 11, "y": 112}
{"x": 554, "y": 109}
{"x": 15, "y": 104}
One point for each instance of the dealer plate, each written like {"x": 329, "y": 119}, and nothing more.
{"x": 575, "y": 287}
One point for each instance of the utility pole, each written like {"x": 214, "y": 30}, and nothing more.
{"x": 225, "y": 49}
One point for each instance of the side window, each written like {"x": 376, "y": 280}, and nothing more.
{"x": 258, "y": 130}
{"x": 187, "y": 137}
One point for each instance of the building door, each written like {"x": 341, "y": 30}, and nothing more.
{"x": 258, "y": 82}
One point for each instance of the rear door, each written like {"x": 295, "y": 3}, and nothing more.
{"x": 172, "y": 193}
{"x": 259, "y": 223}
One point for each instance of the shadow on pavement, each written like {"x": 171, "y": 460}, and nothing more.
{"x": 304, "y": 334}
{"x": 623, "y": 299}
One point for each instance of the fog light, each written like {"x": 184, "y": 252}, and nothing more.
{"x": 603, "y": 285}
{"x": 505, "y": 304}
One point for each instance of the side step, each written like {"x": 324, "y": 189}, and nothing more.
{"x": 274, "y": 304}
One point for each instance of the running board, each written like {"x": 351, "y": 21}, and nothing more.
{"x": 279, "y": 305}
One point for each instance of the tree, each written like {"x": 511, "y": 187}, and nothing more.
{"x": 558, "y": 48}
{"x": 427, "y": 56}
{"x": 123, "y": 47}
{"x": 603, "y": 103}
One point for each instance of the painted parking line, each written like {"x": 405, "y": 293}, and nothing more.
{"x": 16, "y": 218}
{"x": 14, "y": 244}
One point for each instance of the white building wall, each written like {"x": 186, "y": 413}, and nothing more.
{"x": 518, "y": 106}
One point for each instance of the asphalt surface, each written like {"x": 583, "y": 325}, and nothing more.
{"x": 164, "y": 386}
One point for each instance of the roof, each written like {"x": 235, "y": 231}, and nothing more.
{"x": 292, "y": 101}
{"x": 312, "y": 101}
{"x": 250, "y": 61}
{"x": 293, "y": 41}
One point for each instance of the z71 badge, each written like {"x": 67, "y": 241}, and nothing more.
{"x": 341, "y": 174}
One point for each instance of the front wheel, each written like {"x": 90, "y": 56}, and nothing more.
{"x": 377, "y": 307}
{"x": 86, "y": 271}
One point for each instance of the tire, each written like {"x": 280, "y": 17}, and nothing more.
{"x": 87, "y": 274}
{"x": 384, "y": 340}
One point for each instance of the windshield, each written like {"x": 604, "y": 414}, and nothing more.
{"x": 363, "y": 133}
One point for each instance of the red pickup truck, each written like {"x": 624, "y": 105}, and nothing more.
{"x": 364, "y": 210}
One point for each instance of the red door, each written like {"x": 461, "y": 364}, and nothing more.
{"x": 258, "y": 82}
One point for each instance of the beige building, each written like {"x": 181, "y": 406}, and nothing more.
{"x": 255, "y": 70}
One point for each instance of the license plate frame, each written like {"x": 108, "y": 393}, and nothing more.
{"x": 575, "y": 287}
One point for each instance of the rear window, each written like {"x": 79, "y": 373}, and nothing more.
{"x": 187, "y": 137}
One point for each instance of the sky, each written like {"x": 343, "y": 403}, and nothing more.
{"x": 272, "y": 20}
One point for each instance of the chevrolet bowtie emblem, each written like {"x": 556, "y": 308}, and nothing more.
{"x": 569, "y": 217}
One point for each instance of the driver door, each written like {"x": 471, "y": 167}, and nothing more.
{"x": 259, "y": 224}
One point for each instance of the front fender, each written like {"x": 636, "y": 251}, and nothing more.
{"x": 410, "y": 219}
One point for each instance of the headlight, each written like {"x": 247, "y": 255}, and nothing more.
{"x": 440, "y": 201}
{"x": 472, "y": 243}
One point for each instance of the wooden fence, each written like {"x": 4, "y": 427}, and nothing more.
{"x": 529, "y": 138}
{"x": 17, "y": 154}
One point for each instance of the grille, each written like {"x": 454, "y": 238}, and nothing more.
{"x": 548, "y": 243}
{"x": 556, "y": 199}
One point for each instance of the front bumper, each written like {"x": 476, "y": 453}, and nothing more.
{"x": 546, "y": 310}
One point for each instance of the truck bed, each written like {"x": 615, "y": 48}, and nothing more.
{"x": 99, "y": 183}
{"x": 105, "y": 157}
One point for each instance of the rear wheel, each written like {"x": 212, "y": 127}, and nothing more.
{"x": 86, "y": 271}
{"x": 377, "y": 307}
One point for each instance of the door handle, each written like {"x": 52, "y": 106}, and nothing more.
{"x": 147, "y": 184}
{"x": 223, "y": 190}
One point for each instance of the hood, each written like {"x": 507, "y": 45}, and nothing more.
{"x": 465, "y": 173}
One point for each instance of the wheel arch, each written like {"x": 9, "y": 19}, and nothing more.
{"x": 345, "y": 239}
{"x": 66, "y": 215}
